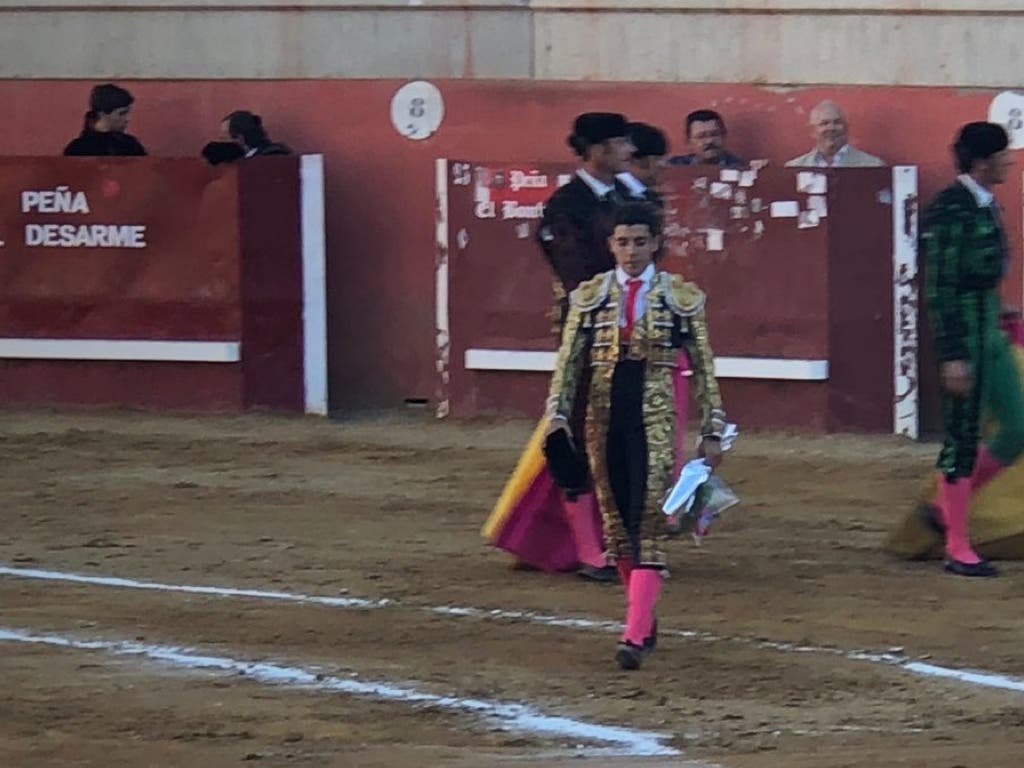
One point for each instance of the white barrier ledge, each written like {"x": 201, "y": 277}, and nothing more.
{"x": 725, "y": 367}
{"x": 122, "y": 350}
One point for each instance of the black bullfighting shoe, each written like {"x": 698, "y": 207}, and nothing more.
{"x": 629, "y": 656}
{"x": 983, "y": 570}
{"x": 607, "y": 574}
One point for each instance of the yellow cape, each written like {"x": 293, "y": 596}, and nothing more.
{"x": 997, "y": 516}
{"x": 531, "y": 463}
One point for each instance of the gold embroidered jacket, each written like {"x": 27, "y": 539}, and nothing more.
{"x": 674, "y": 320}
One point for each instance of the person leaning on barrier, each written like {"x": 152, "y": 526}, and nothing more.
{"x": 242, "y": 136}
{"x": 705, "y": 134}
{"x": 643, "y": 178}
{"x": 246, "y": 130}
{"x": 832, "y": 149}
{"x": 103, "y": 133}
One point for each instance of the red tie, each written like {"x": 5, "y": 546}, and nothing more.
{"x": 632, "y": 290}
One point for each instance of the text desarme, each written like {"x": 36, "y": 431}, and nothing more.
{"x": 61, "y": 235}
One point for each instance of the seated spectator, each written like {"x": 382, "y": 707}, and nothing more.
{"x": 831, "y": 131}
{"x": 104, "y": 131}
{"x": 246, "y": 130}
{"x": 647, "y": 163}
{"x": 705, "y": 134}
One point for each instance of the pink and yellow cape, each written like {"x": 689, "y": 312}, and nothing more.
{"x": 997, "y": 515}
{"x": 529, "y": 520}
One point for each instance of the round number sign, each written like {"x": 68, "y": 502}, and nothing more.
{"x": 417, "y": 110}
{"x": 1007, "y": 109}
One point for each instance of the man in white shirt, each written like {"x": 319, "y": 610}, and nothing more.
{"x": 831, "y": 132}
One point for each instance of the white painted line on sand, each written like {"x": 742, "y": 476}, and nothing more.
{"x": 513, "y": 716}
{"x": 256, "y": 594}
{"x": 900, "y": 660}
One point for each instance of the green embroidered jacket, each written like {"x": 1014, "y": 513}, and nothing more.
{"x": 964, "y": 252}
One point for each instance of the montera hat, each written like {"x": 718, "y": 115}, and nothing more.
{"x": 976, "y": 141}
{"x": 648, "y": 141}
{"x": 592, "y": 128}
{"x": 566, "y": 463}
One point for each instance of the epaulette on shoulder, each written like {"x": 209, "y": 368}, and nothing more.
{"x": 590, "y": 294}
{"x": 683, "y": 298}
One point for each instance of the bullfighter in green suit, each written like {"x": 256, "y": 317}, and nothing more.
{"x": 965, "y": 254}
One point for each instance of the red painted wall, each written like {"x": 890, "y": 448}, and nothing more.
{"x": 379, "y": 186}
{"x": 776, "y": 289}
{"x": 222, "y": 261}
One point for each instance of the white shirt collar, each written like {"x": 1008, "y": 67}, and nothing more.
{"x": 598, "y": 187}
{"x": 633, "y": 184}
{"x": 982, "y": 195}
{"x": 821, "y": 161}
{"x": 647, "y": 276}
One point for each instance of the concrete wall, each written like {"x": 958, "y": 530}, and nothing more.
{"x": 774, "y": 42}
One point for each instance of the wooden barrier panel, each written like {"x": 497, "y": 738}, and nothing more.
{"x": 160, "y": 283}
{"x": 798, "y": 267}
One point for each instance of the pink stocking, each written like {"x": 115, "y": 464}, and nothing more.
{"x": 642, "y": 593}
{"x": 955, "y": 503}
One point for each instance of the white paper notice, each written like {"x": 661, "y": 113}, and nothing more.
{"x": 785, "y": 209}
{"x": 721, "y": 191}
{"x": 811, "y": 183}
{"x": 818, "y": 204}
{"x": 755, "y": 205}
{"x": 730, "y": 174}
{"x": 715, "y": 239}
{"x": 747, "y": 178}
{"x": 807, "y": 220}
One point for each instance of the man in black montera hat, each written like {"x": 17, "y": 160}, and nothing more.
{"x": 574, "y": 238}
{"x": 965, "y": 254}
{"x": 574, "y": 231}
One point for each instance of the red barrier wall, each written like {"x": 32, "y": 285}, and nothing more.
{"x": 379, "y": 205}
{"x": 802, "y": 291}
{"x": 216, "y": 257}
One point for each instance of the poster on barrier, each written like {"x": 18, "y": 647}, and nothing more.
{"x": 796, "y": 266}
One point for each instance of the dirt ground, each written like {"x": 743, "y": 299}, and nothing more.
{"x": 390, "y": 508}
